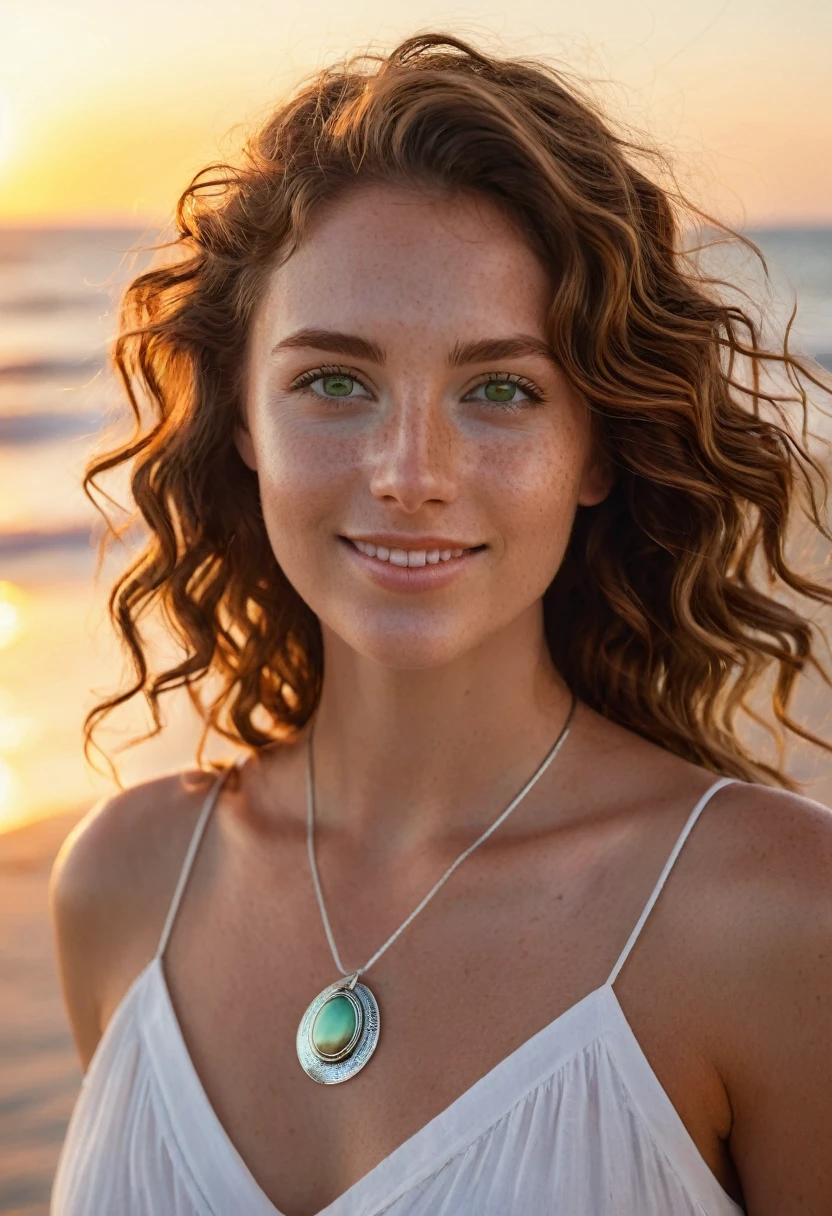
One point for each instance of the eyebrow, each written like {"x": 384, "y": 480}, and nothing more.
{"x": 334, "y": 342}
{"x": 491, "y": 350}
{"x": 486, "y": 350}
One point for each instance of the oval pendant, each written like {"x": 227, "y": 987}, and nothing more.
{"x": 338, "y": 1032}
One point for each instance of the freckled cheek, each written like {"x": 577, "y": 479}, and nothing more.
{"x": 532, "y": 491}
{"x": 303, "y": 481}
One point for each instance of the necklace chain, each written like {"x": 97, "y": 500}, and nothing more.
{"x": 310, "y": 847}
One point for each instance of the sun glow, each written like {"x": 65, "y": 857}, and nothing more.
{"x": 11, "y": 796}
{"x": 11, "y": 614}
{"x": 5, "y": 130}
{"x": 16, "y": 729}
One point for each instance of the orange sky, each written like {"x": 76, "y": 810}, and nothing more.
{"x": 105, "y": 110}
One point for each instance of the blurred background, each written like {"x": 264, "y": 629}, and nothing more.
{"x": 105, "y": 113}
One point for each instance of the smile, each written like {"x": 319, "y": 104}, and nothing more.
{"x": 408, "y": 571}
{"x": 408, "y": 557}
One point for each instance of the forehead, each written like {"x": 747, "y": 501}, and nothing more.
{"x": 390, "y": 258}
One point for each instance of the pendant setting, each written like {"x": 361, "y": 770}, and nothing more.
{"x": 338, "y": 1032}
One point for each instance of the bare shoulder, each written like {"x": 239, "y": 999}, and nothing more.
{"x": 761, "y": 883}
{"x": 110, "y": 888}
{"x": 769, "y": 853}
{"x": 775, "y": 846}
{"x": 766, "y": 917}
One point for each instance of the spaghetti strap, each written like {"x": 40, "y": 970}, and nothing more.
{"x": 196, "y": 837}
{"x": 677, "y": 848}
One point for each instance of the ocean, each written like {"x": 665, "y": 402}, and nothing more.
{"x": 59, "y": 293}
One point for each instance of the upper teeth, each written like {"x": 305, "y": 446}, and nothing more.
{"x": 407, "y": 557}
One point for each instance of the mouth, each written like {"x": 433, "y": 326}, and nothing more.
{"x": 411, "y": 558}
{"x": 406, "y": 571}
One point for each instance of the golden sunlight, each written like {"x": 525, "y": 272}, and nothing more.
{"x": 11, "y": 797}
{"x": 5, "y": 129}
{"x": 12, "y": 602}
{"x": 15, "y": 730}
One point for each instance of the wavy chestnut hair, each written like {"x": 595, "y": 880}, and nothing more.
{"x": 675, "y": 598}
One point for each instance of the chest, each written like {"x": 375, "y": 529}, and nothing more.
{"x": 473, "y": 980}
{"x": 144, "y": 1138}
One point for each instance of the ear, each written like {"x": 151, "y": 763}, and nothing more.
{"x": 245, "y": 446}
{"x": 596, "y": 482}
{"x": 598, "y": 474}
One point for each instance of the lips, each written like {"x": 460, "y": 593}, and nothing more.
{"x": 409, "y": 570}
{"x": 408, "y": 557}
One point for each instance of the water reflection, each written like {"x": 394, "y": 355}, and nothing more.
{"x": 11, "y": 613}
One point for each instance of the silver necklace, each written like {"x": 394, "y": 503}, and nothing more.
{"x": 339, "y": 1030}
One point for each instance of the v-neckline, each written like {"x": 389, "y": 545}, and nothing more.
{"x": 219, "y": 1179}
{"x": 478, "y": 1107}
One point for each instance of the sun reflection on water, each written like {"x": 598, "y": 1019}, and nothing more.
{"x": 11, "y": 796}
{"x": 12, "y": 614}
{"x": 15, "y": 727}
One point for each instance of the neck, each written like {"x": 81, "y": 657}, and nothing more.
{"x": 412, "y": 754}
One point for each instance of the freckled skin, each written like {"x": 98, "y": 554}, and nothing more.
{"x": 415, "y": 275}
{"x": 435, "y": 707}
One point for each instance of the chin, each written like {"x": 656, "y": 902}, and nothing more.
{"x": 407, "y": 649}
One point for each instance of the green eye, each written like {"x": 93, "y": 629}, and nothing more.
{"x": 338, "y": 386}
{"x": 500, "y": 390}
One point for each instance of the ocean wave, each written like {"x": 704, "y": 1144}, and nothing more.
{"x": 18, "y": 430}
{"x": 42, "y": 369}
{"x": 39, "y": 305}
{"x": 30, "y": 541}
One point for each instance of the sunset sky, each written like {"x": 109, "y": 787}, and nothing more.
{"x": 106, "y": 109}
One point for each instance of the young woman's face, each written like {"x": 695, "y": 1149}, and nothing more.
{"x": 401, "y": 404}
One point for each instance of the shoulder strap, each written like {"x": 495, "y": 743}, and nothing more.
{"x": 668, "y": 866}
{"x": 196, "y": 837}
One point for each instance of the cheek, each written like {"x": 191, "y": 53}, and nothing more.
{"x": 534, "y": 494}
{"x": 534, "y": 489}
{"x": 299, "y": 465}
{"x": 519, "y": 487}
{"x": 294, "y": 479}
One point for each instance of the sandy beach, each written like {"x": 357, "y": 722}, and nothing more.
{"x": 39, "y": 1074}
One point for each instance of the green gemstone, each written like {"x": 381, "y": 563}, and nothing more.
{"x": 334, "y": 1028}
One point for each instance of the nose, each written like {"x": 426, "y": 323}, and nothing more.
{"x": 417, "y": 456}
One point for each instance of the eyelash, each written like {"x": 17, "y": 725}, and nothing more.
{"x": 318, "y": 373}
{"x": 529, "y": 388}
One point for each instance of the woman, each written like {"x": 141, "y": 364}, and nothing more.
{"x": 457, "y": 496}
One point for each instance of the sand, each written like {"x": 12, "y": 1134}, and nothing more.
{"x": 39, "y": 1072}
